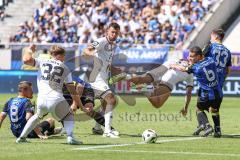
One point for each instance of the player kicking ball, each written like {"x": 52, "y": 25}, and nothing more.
{"x": 102, "y": 51}
{"x": 165, "y": 78}
{"x": 52, "y": 73}
{"x": 20, "y": 109}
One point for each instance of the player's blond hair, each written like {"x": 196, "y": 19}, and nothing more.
{"x": 56, "y": 50}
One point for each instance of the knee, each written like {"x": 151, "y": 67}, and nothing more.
{"x": 88, "y": 107}
{"x": 213, "y": 110}
{"x": 51, "y": 121}
{"x": 156, "y": 104}
{"x": 111, "y": 100}
{"x": 198, "y": 110}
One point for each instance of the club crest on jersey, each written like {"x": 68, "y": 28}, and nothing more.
{"x": 109, "y": 47}
{"x": 95, "y": 44}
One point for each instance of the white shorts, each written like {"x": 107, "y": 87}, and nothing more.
{"x": 101, "y": 89}
{"x": 58, "y": 107}
{"x": 158, "y": 72}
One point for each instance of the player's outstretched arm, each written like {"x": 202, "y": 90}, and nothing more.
{"x": 141, "y": 79}
{"x": 28, "y": 59}
{"x": 88, "y": 52}
{"x": 2, "y": 117}
{"x": 188, "y": 97}
{"x": 178, "y": 67}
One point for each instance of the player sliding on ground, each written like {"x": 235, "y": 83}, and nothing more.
{"x": 20, "y": 109}
{"x": 102, "y": 51}
{"x": 52, "y": 74}
{"x": 165, "y": 79}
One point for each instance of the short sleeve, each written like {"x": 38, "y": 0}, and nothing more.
{"x": 207, "y": 49}
{"x": 37, "y": 62}
{"x": 29, "y": 107}
{"x": 229, "y": 62}
{"x": 68, "y": 78}
{"x": 96, "y": 44}
{"x": 5, "y": 108}
{"x": 190, "y": 69}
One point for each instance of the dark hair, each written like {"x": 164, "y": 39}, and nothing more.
{"x": 114, "y": 25}
{"x": 23, "y": 85}
{"x": 56, "y": 50}
{"x": 197, "y": 50}
{"x": 219, "y": 33}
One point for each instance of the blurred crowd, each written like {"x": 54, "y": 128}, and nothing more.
{"x": 142, "y": 21}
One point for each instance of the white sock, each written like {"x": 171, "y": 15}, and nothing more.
{"x": 68, "y": 126}
{"x": 97, "y": 125}
{"x": 108, "y": 118}
{"x": 31, "y": 124}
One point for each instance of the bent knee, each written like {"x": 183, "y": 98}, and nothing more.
{"x": 213, "y": 110}
{"x": 110, "y": 99}
{"x": 156, "y": 104}
{"x": 51, "y": 121}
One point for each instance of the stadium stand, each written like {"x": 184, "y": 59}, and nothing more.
{"x": 15, "y": 12}
{"x": 143, "y": 22}
{"x": 222, "y": 15}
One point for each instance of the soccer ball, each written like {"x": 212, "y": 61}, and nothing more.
{"x": 149, "y": 136}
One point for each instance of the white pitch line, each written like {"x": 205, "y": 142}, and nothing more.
{"x": 130, "y": 144}
{"x": 169, "y": 152}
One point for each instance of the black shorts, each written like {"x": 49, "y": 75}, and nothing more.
{"x": 87, "y": 96}
{"x": 45, "y": 129}
{"x": 206, "y": 103}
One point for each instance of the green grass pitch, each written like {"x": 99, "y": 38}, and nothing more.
{"x": 174, "y": 136}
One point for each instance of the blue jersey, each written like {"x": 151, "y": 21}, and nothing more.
{"x": 16, "y": 108}
{"x": 206, "y": 74}
{"x": 222, "y": 57}
{"x": 82, "y": 82}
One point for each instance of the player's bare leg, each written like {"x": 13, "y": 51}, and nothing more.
{"x": 159, "y": 96}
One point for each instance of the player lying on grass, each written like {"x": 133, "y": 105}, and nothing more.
{"x": 52, "y": 73}
{"x": 165, "y": 79}
{"x": 210, "y": 91}
{"x": 20, "y": 109}
{"x": 86, "y": 93}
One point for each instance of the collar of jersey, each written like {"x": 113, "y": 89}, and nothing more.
{"x": 22, "y": 97}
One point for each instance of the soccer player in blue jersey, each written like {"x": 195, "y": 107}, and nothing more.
{"x": 222, "y": 57}
{"x": 210, "y": 91}
{"x": 20, "y": 109}
{"x": 86, "y": 92}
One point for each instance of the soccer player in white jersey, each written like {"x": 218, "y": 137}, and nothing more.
{"x": 165, "y": 78}
{"x": 102, "y": 51}
{"x": 52, "y": 73}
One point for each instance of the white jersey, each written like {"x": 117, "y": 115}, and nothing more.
{"x": 104, "y": 52}
{"x": 51, "y": 76}
{"x": 171, "y": 77}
